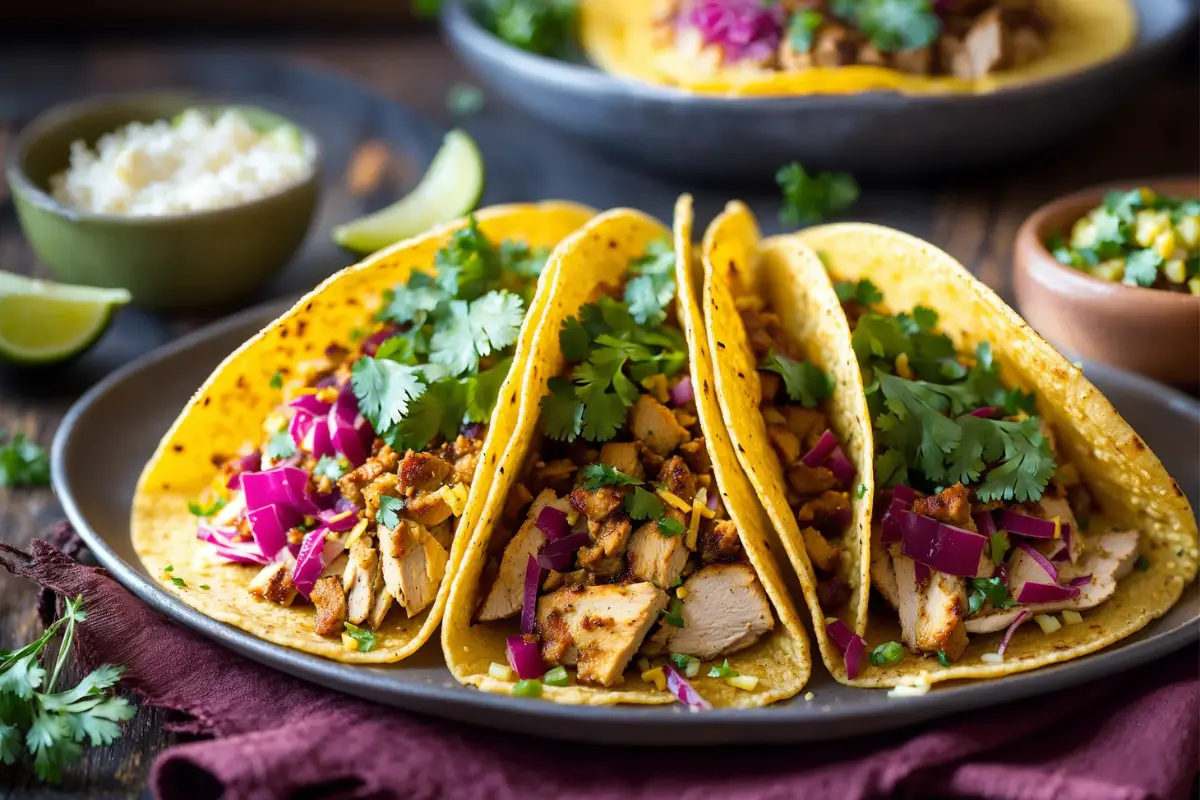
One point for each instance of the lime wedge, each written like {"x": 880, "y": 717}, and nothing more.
{"x": 43, "y": 322}
{"x": 449, "y": 189}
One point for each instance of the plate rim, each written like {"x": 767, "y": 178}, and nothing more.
{"x": 463, "y": 31}
{"x": 770, "y": 724}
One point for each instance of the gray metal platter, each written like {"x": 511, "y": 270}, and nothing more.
{"x": 723, "y": 139}
{"x": 110, "y": 433}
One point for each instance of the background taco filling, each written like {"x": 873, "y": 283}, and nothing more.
{"x": 618, "y": 550}
{"x": 967, "y": 39}
{"x": 351, "y": 498}
{"x": 987, "y": 526}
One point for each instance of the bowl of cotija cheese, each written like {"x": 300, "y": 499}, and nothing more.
{"x": 185, "y": 202}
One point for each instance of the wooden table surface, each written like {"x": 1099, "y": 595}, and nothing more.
{"x": 974, "y": 218}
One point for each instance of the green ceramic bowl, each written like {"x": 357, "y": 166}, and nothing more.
{"x": 192, "y": 260}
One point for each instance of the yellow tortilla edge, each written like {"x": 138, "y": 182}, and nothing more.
{"x": 618, "y": 37}
{"x": 229, "y": 409}
{"x": 792, "y": 279}
{"x": 1125, "y": 477}
{"x": 599, "y": 254}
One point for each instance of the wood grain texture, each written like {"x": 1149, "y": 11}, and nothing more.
{"x": 974, "y": 218}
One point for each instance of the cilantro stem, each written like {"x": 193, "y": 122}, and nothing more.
{"x": 64, "y": 649}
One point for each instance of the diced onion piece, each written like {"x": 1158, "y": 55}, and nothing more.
{"x": 674, "y": 500}
{"x": 712, "y": 503}
{"x": 309, "y": 403}
{"x": 939, "y": 546}
{"x": 559, "y": 555}
{"x": 1041, "y": 560}
{"x": 700, "y": 505}
{"x": 1045, "y": 593}
{"x": 1071, "y": 617}
{"x": 1011, "y": 630}
{"x": 682, "y": 392}
{"x": 850, "y": 643}
{"x": 656, "y": 677}
{"x": 339, "y": 521}
{"x": 533, "y": 580}
{"x": 1080, "y": 580}
{"x": 904, "y": 494}
{"x": 992, "y": 658}
{"x": 985, "y": 523}
{"x": 1047, "y": 623}
{"x": 841, "y": 467}
{"x": 315, "y": 552}
{"x": 684, "y": 692}
{"x": 269, "y": 526}
{"x": 987, "y": 412}
{"x": 524, "y": 657}
{"x": 1025, "y": 525}
{"x": 500, "y": 672}
{"x": 821, "y": 450}
{"x": 553, "y": 523}
{"x": 746, "y": 683}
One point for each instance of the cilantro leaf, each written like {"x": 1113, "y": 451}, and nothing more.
{"x": 468, "y": 263}
{"x": 23, "y": 463}
{"x": 527, "y": 262}
{"x": 411, "y": 302}
{"x": 1141, "y": 268}
{"x": 942, "y": 658}
{"x": 384, "y": 390}
{"x": 669, "y": 527}
{"x": 364, "y": 637}
{"x": 998, "y": 546}
{"x": 276, "y": 381}
{"x": 562, "y": 412}
{"x": 916, "y": 426}
{"x": 674, "y": 614}
{"x": 805, "y": 383}
{"x": 887, "y": 653}
{"x": 10, "y": 743}
{"x": 802, "y": 29}
{"x": 389, "y": 511}
{"x": 198, "y": 510}
{"x": 280, "y": 446}
{"x": 643, "y": 505}
{"x": 811, "y": 198}
{"x": 603, "y": 416}
{"x": 539, "y": 26}
{"x": 22, "y": 677}
{"x": 863, "y": 291}
{"x": 987, "y": 590}
{"x": 574, "y": 340}
{"x": 1028, "y": 463}
{"x": 52, "y": 745}
{"x": 652, "y": 287}
{"x": 330, "y": 467}
{"x": 440, "y": 409}
{"x": 598, "y": 475}
{"x": 893, "y": 25}
{"x": 483, "y": 390}
{"x": 473, "y": 331}
{"x": 723, "y": 671}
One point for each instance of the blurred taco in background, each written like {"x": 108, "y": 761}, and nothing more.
{"x": 790, "y": 395}
{"x": 779, "y": 47}
{"x": 320, "y": 487}
{"x": 1019, "y": 520}
{"x": 622, "y": 557}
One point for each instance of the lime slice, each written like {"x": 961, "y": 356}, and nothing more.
{"x": 43, "y": 322}
{"x": 450, "y": 188}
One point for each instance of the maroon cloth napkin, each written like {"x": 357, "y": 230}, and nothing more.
{"x": 1136, "y": 735}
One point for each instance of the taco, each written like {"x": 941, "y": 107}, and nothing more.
{"x": 780, "y": 47}
{"x": 1019, "y": 521}
{"x": 621, "y": 539}
{"x": 790, "y": 394}
{"x": 320, "y": 486}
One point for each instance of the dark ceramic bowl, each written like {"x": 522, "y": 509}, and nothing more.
{"x": 192, "y": 260}
{"x": 1149, "y": 331}
{"x": 703, "y": 137}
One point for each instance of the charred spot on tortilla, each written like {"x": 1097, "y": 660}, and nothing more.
{"x": 178, "y": 448}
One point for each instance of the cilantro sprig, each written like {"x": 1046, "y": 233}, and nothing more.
{"x": 614, "y": 352}
{"x": 804, "y": 382}
{"x": 641, "y": 504}
{"x": 452, "y": 353}
{"x": 811, "y": 198}
{"x": 892, "y": 25}
{"x": 23, "y": 462}
{"x": 988, "y": 590}
{"x": 53, "y": 726}
{"x": 206, "y": 511}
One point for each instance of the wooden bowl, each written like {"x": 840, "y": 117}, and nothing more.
{"x": 1149, "y": 331}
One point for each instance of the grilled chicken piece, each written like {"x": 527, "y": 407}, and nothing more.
{"x": 785, "y": 442}
{"x": 656, "y": 558}
{"x": 931, "y": 615}
{"x": 330, "y": 601}
{"x": 597, "y": 628}
{"x": 914, "y": 62}
{"x": 828, "y": 513}
{"x": 883, "y": 574}
{"x": 427, "y": 509}
{"x": 1110, "y": 559}
{"x": 677, "y": 479}
{"x": 823, "y": 554}
{"x": 725, "y": 610}
{"x": 518, "y": 496}
{"x": 768, "y": 387}
{"x": 381, "y": 605}
{"x": 623, "y": 456}
{"x": 413, "y": 565}
{"x": 720, "y": 542}
{"x": 951, "y": 506}
{"x": 274, "y": 583}
{"x": 655, "y": 425}
{"x": 354, "y": 481}
{"x": 422, "y": 472}
{"x": 612, "y": 534}
{"x": 695, "y": 453}
{"x": 596, "y": 504}
{"x": 362, "y": 572}
{"x": 806, "y": 480}
{"x": 807, "y": 424}
{"x": 1059, "y": 507}
{"x": 464, "y": 468}
{"x": 507, "y": 593}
